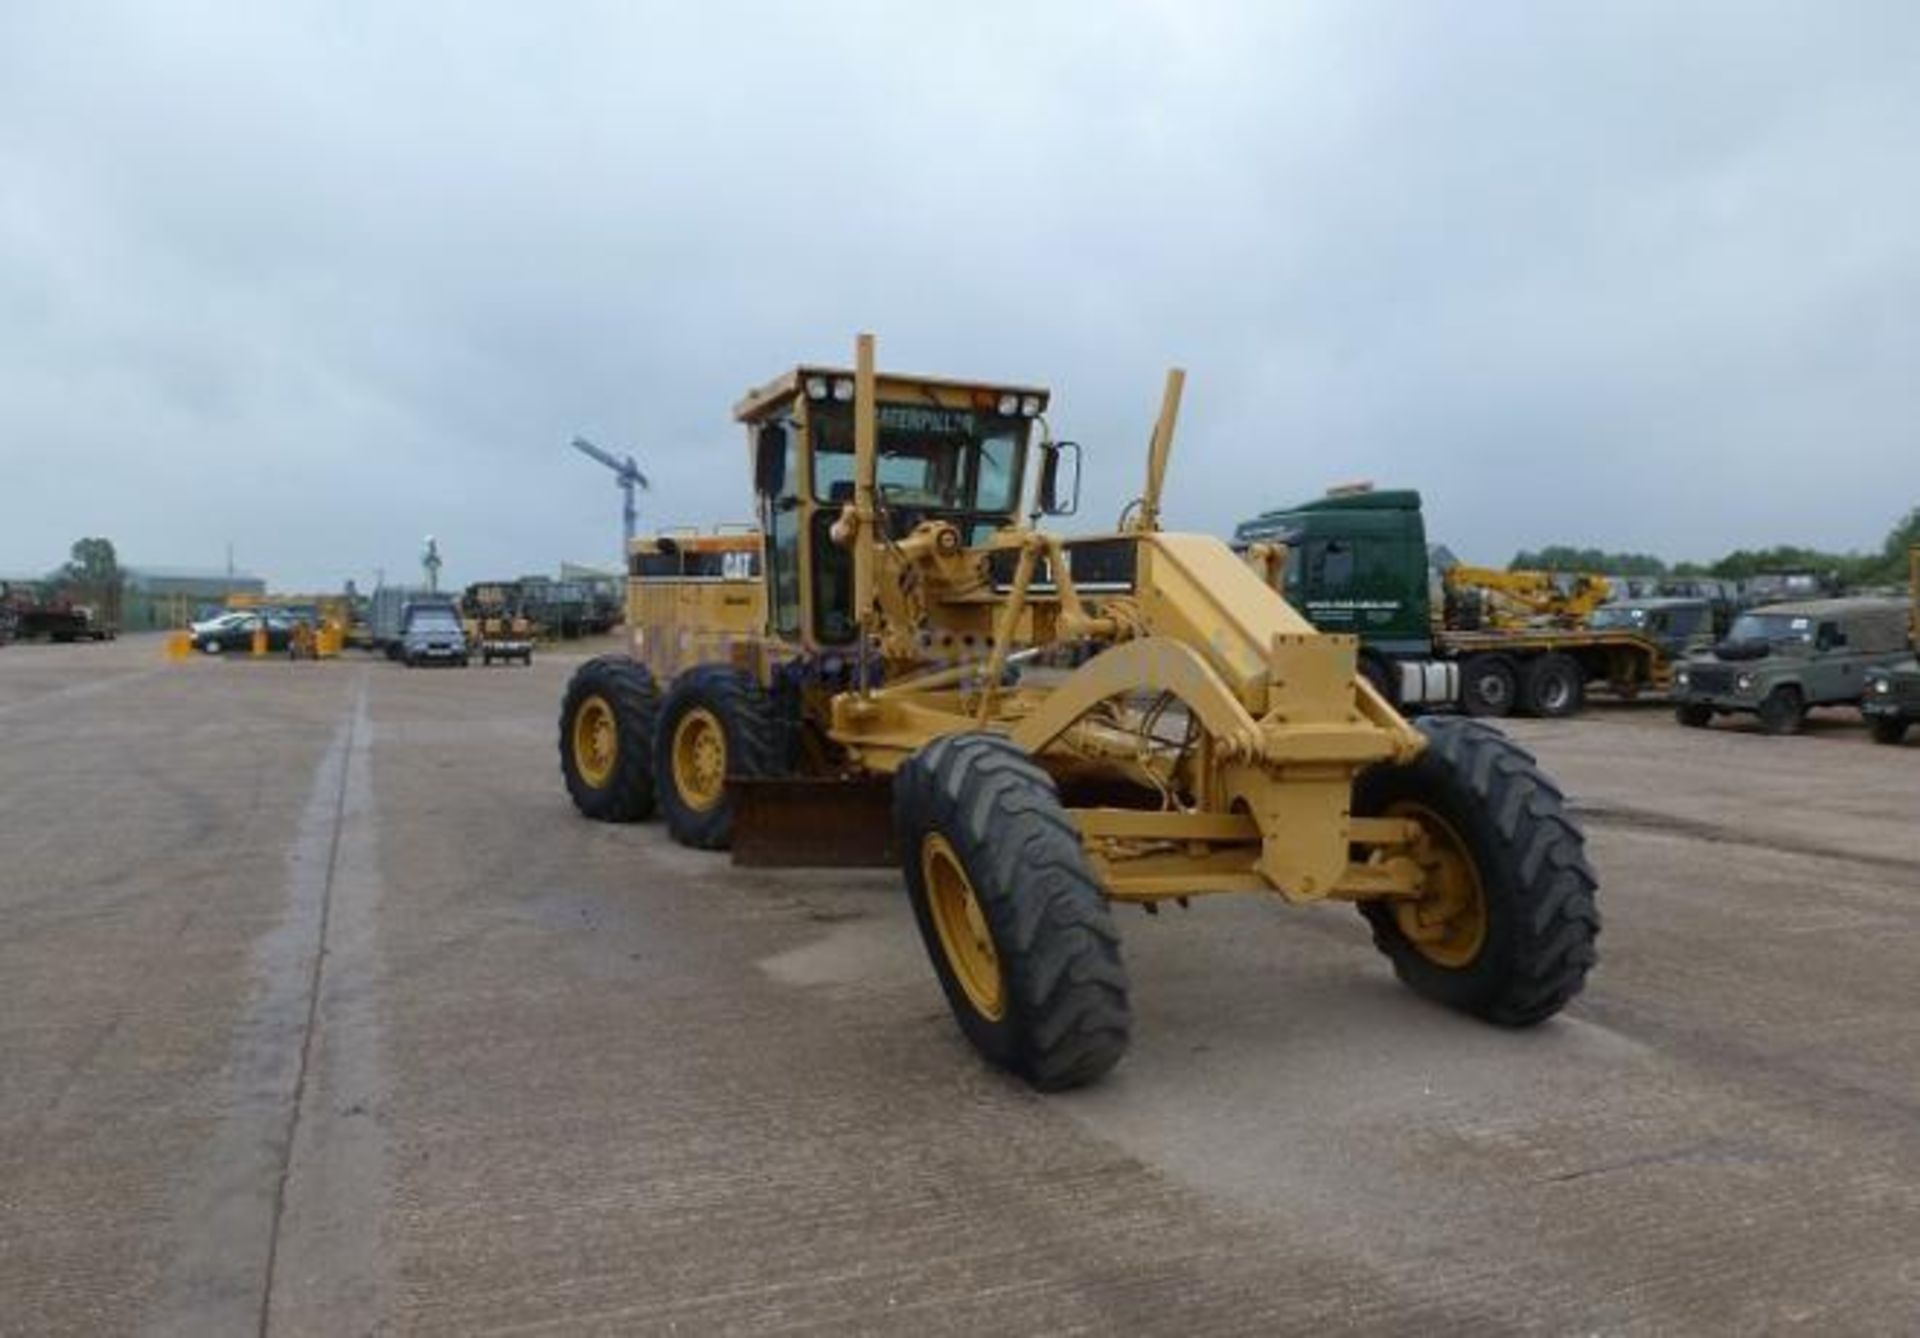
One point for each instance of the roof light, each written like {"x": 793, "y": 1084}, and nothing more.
{"x": 1009, "y": 404}
{"x": 843, "y": 389}
{"x": 816, "y": 387}
{"x": 1030, "y": 405}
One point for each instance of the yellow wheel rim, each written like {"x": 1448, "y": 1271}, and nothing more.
{"x": 700, "y": 759}
{"x": 1448, "y": 925}
{"x": 596, "y": 742}
{"x": 962, "y": 927}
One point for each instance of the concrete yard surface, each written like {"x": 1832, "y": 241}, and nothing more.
{"x": 322, "y": 1012}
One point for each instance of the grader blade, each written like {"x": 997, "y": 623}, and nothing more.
{"x": 813, "y": 823}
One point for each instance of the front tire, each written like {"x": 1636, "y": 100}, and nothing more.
{"x": 1487, "y": 685}
{"x": 606, "y": 739}
{"x": 1889, "y": 729}
{"x": 1376, "y": 672}
{"x": 1012, "y": 916}
{"x": 716, "y": 722}
{"x": 1694, "y": 715}
{"x": 1507, "y": 932}
{"x": 1782, "y": 711}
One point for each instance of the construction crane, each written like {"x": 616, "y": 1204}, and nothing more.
{"x": 1517, "y": 599}
{"x": 627, "y": 474}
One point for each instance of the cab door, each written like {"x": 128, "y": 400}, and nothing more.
{"x": 1835, "y": 671}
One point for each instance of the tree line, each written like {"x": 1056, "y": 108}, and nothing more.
{"x": 1887, "y": 566}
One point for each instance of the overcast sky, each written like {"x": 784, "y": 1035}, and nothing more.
{"x": 320, "y": 279}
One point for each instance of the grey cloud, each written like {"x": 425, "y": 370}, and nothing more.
{"x": 324, "y": 278}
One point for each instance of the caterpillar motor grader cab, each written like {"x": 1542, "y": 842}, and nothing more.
{"x": 1051, "y": 726}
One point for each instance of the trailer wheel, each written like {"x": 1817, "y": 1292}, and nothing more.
{"x": 1507, "y": 929}
{"x": 1694, "y": 715}
{"x": 606, "y": 739}
{"x": 716, "y": 722}
{"x": 1487, "y": 685}
{"x": 1890, "y": 729}
{"x": 1555, "y": 687}
{"x": 1783, "y": 710}
{"x": 1010, "y": 911}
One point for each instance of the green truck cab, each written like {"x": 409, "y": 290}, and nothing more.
{"x": 1779, "y": 661}
{"x": 1357, "y": 561}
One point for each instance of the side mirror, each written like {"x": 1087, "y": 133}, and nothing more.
{"x": 770, "y": 459}
{"x": 1051, "y": 493}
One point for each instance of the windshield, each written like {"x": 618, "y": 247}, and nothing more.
{"x": 930, "y": 458}
{"x": 434, "y": 619}
{"x": 1780, "y": 629}
{"x": 1618, "y": 617}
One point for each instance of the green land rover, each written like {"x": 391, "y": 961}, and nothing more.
{"x": 1892, "y": 700}
{"x": 1778, "y": 661}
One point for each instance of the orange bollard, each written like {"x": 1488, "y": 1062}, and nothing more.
{"x": 179, "y": 646}
{"x": 260, "y": 638}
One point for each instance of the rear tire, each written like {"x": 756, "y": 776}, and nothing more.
{"x": 1041, "y": 991}
{"x": 1487, "y": 685}
{"x": 1555, "y": 687}
{"x": 1693, "y": 715}
{"x": 717, "y": 722}
{"x": 1889, "y": 729}
{"x": 606, "y": 739}
{"x": 1782, "y": 711}
{"x": 1525, "y": 950}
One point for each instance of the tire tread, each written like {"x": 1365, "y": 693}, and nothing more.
{"x": 1534, "y": 838}
{"x": 1068, "y": 1014}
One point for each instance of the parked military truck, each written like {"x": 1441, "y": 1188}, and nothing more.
{"x": 1357, "y": 562}
{"x": 1780, "y": 661}
{"x": 1681, "y": 626}
{"x": 1891, "y": 701}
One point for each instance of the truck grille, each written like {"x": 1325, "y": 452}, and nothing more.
{"x": 1711, "y": 678}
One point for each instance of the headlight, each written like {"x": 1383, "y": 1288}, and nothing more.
{"x": 1009, "y": 405}
{"x": 1882, "y": 685}
{"x": 843, "y": 390}
{"x": 816, "y": 387}
{"x": 1744, "y": 682}
{"x": 1682, "y": 678}
{"x": 1030, "y": 405}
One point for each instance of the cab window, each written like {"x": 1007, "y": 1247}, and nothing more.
{"x": 1331, "y": 565}
{"x": 782, "y": 522}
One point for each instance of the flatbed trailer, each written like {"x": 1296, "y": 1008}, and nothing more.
{"x": 1547, "y": 671}
{"x": 1357, "y": 561}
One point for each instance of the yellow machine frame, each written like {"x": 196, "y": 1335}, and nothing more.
{"x": 899, "y": 667}
{"x": 1275, "y": 723}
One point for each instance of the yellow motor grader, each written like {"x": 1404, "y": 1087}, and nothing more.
{"x": 899, "y": 663}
